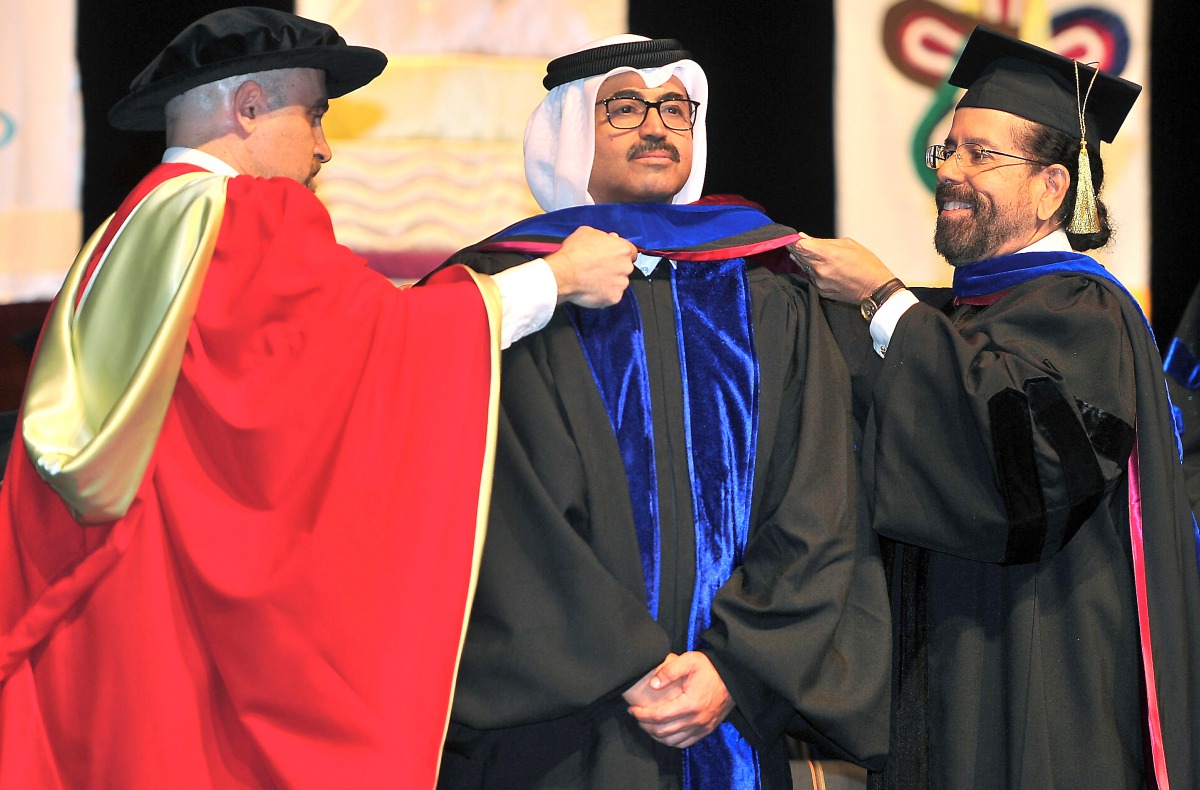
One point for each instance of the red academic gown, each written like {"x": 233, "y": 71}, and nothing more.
{"x": 283, "y": 603}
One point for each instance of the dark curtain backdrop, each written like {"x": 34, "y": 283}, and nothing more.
{"x": 770, "y": 64}
{"x": 115, "y": 40}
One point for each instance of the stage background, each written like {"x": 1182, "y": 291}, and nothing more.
{"x": 429, "y": 158}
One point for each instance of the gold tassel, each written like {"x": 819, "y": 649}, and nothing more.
{"x": 1085, "y": 219}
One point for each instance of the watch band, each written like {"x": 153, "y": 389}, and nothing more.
{"x": 870, "y": 306}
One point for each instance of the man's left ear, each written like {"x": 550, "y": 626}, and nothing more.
{"x": 1057, "y": 181}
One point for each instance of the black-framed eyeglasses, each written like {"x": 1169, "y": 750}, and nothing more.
{"x": 629, "y": 112}
{"x": 970, "y": 156}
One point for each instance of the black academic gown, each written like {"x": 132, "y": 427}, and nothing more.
{"x": 1182, "y": 364}
{"x": 560, "y": 625}
{"x": 994, "y": 463}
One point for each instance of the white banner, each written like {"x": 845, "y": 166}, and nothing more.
{"x": 892, "y": 101}
{"x": 41, "y": 155}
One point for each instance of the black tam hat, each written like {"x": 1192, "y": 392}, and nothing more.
{"x": 601, "y": 60}
{"x": 1004, "y": 73}
{"x": 242, "y": 41}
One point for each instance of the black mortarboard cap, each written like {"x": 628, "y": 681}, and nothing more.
{"x": 1004, "y": 73}
{"x": 242, "y": 41}
{"x": 586, "y": 63}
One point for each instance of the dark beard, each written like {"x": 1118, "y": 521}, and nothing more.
{"x": 975, "y": 238}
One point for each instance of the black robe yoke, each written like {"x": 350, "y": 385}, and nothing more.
{"x": 995, "y": 457}
{"x": 560, "y": 625}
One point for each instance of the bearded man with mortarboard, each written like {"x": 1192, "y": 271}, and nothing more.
{"x": 673, "y": 574}
{"x": 1020, "y": 459}
{"x": 242, "y": 521}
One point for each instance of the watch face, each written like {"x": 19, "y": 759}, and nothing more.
{"x": 868, "y": 308}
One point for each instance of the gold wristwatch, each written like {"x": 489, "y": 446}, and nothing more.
{"x": 870, "y": 306}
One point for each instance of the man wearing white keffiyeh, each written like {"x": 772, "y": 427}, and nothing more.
{"x": 670, "y": 550}
{"x": 561, "y": 134}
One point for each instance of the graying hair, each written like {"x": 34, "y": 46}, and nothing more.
{"x": 205, "y": 99}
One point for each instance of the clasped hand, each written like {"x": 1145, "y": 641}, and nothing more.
{"x": 681, "y": 700}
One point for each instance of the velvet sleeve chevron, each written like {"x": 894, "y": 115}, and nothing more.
{"x": 1000, "y": 433}
{"x": 1081, "y": 438}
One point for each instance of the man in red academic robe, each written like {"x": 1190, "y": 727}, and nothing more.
{"x": 240, "y": 526}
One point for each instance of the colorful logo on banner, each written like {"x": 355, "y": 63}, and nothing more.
{"x": 923, "y": 38}
{"x": 8, "y": 128}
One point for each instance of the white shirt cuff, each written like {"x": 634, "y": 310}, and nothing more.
{"x": 528, "y": 296}
{"x": 883, "y": 324}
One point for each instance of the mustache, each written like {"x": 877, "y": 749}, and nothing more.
{"x": 653, "y": 145}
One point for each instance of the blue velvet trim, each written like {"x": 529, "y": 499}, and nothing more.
{"x": 615, "y": 347}
{"x": 649, "y": 226}
{"x": 1196, "y": 535}
{"x": 721, "y": 759}
{"x": 720, "y": 399}
{"x": 1005, "y": 271}
{"x": 1182, "y": 365}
